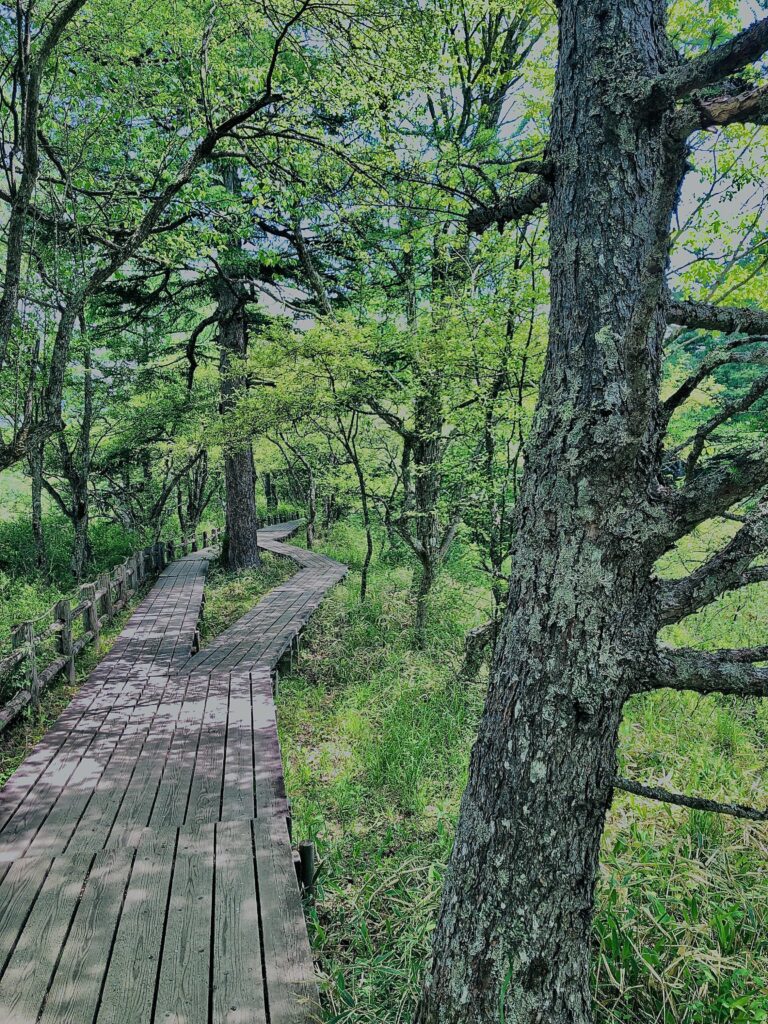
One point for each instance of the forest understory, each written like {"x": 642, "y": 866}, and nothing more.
{"x": 477, "y": 291}
{"x": 376, "y": 740}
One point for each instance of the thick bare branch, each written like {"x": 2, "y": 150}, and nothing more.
{"x": 311, "y": 273}
{"x": 706, "y": 672}
{"x": 728, "y": 569}
{"x": 719, "y": 484}
{"x": 748, "y": 107}
{"x": 718, "y": 63}
{"x": 513, "y": 208}
{"x": 696, "y": 803}
{"x": 735, "y": 350}
{"x": 709, "y": 317}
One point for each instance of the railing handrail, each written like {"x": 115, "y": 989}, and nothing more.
{"x": 97, "y": 603}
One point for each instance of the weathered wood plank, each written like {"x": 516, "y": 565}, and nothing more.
{"x": 74, "y": 994}
{"x": 25, "y": 980}
{"x": 238, "y": 793}
{"x": 238, "y": 983}
{"x": 129, "y": 989}
{"x": 19, "y": 889}
{"x": 183, "y": 986}
{"x": 291, "y": 987}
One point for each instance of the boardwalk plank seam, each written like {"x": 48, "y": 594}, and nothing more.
{"x": 146, "y": 873}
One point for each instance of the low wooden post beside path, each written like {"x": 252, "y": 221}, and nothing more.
{"x": 146, "y": 870}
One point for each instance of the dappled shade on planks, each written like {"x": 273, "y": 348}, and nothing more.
{"x": 145, "y": 860}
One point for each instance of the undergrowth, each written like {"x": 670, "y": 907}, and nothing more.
{"x": 376, "y": 739}
{"x": 229, "y": 595}
{"x": 19, "y": 738}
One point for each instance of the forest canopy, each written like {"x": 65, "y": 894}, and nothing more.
{"x": 477, "y": 290}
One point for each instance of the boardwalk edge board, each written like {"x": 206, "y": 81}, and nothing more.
{"x": 146, "y": 870}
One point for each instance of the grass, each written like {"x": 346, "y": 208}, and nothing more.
{"x": 228, "y": 595}
{"x": 376, "y": 740}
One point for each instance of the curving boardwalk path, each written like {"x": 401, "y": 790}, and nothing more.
{"x": 146, "y": 872}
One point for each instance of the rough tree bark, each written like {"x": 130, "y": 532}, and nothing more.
{"x": 512, "y": 941}
{"x": 239, "y": 472}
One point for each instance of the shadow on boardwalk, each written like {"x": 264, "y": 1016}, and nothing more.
{"x": 147, "y": 874}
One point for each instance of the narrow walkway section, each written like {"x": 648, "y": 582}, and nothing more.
{"x": 145, "y": 861}
{"x": 263, "y": 635}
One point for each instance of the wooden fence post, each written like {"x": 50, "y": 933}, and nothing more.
{"x": 64, "y": 616}
{"x": 105, "y": 584}
{"x": 91, "y": 613}
{"x": 205, "y": 538}
{"x": 307, "y": 858}
{"x": 171, "y": 550}
{"x": 24, "y": 636}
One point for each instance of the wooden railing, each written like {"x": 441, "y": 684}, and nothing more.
{"x": 45, "y": 647}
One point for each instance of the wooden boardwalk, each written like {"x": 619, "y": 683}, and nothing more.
{"x": 146, "y": 872}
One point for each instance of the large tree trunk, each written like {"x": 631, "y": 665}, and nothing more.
{"x": 239, "y": 472}
{"x": 512, "y": 941}
{"x": 81, "y": 548}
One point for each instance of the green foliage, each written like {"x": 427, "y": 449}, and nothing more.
{"x": 229, "y": 595}
{"x": 376, "y": 739}
{"x": 25, "y": 590}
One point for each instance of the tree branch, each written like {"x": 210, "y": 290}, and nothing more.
{"x": 728, "y": 569}
{"x": 30, "y": 172}
{"x": 515, "y": 207}
{"x": 721, "y": 356}
{"x": 721, "y": 483}
{"x": 694, "y": 802}
{"x": 706, "y": 672}
{"x": 727, "y": 412}
{"x": 749, "y": 107}
{"x": 191, "y": 349}
{"x": 715, "y": 65}
{"x": 729, "y": 319}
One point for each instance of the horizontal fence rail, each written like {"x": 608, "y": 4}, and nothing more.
{"x": 43, "y": 648}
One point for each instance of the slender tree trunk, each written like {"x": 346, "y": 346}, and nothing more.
{"x": 512, "y": 940}
{"x": 367, "y": 526}
{"x": 270, "y": 492}
{"x": 180, "y": 512}
{"x": 36, "y": 471}
{"x": 77, "y": 467}
{"x": 424, "y": 589}
{"x": 239, "y": 472}
{"x": 427, "y": 453}
{"x": 311, "y": 509}
{"x": 81, "y": 548}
